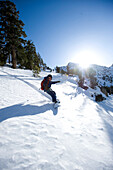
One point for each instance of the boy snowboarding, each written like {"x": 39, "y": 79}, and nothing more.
{"x": 46, "y": 86}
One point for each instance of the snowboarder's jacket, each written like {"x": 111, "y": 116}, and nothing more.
{"x": 46, "y": 84}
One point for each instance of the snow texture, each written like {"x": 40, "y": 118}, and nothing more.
{"x": 78, "y": 135}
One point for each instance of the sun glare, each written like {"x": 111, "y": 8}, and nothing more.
{"x": 85, "y": 58}
{"x": 84, "y": 64}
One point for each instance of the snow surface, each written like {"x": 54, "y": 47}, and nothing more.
{"x": 35, "y": 136}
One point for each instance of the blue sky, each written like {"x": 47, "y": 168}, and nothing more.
{"x": 69, "y": 30}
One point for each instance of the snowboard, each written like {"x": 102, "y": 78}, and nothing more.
{"x": 56, "y": 105}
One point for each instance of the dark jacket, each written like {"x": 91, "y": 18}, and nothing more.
{"x": 47, "y": 83}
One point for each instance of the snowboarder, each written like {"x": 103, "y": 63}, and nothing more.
{"x": 46, "y": 86}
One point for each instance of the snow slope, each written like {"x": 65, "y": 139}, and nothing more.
{"x": 35, "y": 136}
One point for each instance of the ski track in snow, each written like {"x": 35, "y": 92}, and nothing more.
{"x": 34, "y": 136}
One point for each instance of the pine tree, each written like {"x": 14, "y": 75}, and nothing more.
{"x": 11, "y": 30}
{"x": 36, "y": 65}
{"x": 44, "y": 66}
{"x": 30, "y": 53}
{"x": 21, "y": 56}
{"x": 41, "y": 62}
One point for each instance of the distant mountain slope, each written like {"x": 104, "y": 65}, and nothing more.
{"x": 104, "y": 74}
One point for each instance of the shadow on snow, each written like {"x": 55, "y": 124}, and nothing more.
{"x": 25, "y": 110}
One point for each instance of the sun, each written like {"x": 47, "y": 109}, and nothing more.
{"x": 85, "y": 58}
{"x": 84, "y": 63}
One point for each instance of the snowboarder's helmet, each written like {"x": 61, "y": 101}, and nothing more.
{"x": 50, "y": 76}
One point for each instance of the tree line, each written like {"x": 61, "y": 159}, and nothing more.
{"x": 13, "y": 45}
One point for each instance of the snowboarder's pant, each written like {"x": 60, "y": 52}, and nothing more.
{"x": 52, "y": 94}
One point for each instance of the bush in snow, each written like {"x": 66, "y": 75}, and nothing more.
{"x": 57, "y": 69}
{"x": 99, "y": 98}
